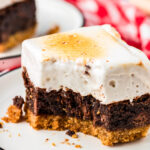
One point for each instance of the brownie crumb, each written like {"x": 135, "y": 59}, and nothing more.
{"x": 72, "y": 134}
{"x": 1, "y": 125}
{"x": 53, "y": 144}
{"x": 78, "y": 146}
{"x": 66, "y": 142}
{"x": 18, "y": 101}
{"x": 1, "y": 148}
{"x": 87, "y": 73}
{"x": 88, "y": 67}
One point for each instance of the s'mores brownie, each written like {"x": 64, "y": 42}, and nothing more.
{"x": 17, "y": 22}
{"x": 87, "y": 80}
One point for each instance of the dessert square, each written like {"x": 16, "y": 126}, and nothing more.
{"x": 17, "y": 22}
{"x": 87, "y": 80}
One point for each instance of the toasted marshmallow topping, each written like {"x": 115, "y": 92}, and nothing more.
{"x": 5, "y": 3}
{"x": 90, "y": 61}
{"x": 72, "y": 46}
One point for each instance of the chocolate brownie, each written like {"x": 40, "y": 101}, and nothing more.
{"x": 18, "y": 101}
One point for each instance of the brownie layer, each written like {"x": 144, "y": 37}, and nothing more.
{"x": 115, "y": 116}
{"x": 15, "y": 18}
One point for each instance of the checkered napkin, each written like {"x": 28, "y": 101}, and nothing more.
{"x": 132, "y": 24}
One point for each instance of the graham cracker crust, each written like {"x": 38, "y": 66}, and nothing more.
{"x": 17, "y": 38}
{"x": 60, "y": 123}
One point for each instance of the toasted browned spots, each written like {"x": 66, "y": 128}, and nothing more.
{"x": 72, "y": 46}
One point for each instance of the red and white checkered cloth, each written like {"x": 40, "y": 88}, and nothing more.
{"x": 132, "y": 24}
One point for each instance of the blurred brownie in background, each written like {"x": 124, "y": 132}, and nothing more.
{"x": 17, "y": 22}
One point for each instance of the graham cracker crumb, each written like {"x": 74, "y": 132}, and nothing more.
{"x": 19, "y": 134}
{"x": 14, "y": 115}
{"x": 10, "y": 135}
{"x": 53, "y": 144}
{"x": 78, "y": 146}
{"x": 62, "y": 142}
{"x": 75, "y": 136}
{"x": 68, "y": 143}
{"x": 6, "y": 119}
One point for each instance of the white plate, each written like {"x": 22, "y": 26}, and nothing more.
{"x": 50, "y": 13}
{"x": 30, "y": 139}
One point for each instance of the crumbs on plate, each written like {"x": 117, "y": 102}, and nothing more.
{"x": 78, "y": 146}
{"x": 1, "y": 125}
{"x": 53, "y": 144}
{"x": 72, "y": 134}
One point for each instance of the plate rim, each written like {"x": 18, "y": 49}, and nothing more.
{"x": 9, "y": 72}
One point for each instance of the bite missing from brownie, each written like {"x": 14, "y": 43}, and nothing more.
{"x": 87, "y": 80}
